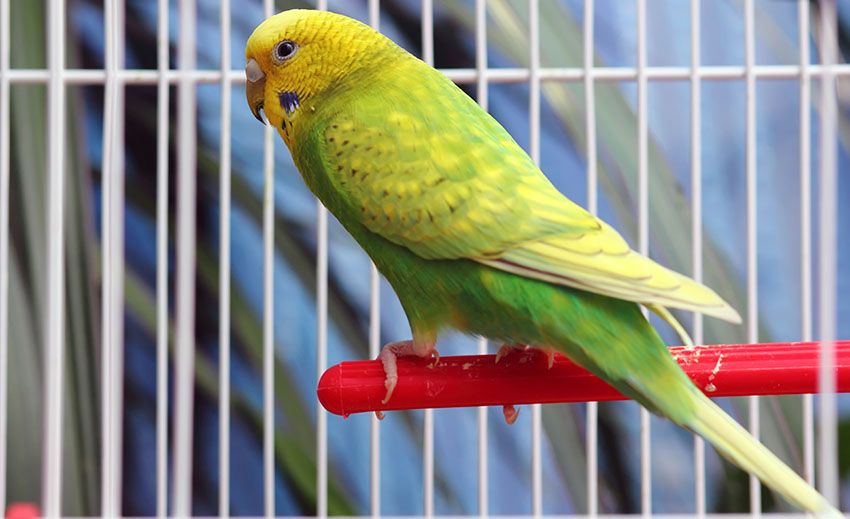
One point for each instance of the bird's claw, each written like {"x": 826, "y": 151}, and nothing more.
{"x": 388, "y": 357}
{"x": 503, "y": 352}
{"x": 511, "y": 413}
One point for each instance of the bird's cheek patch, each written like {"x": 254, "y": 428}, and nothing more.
{"x": 289, "y": 101}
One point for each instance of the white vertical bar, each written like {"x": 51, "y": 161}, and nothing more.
{"x": 428, "y": 463}
{"x": 592, "y": 419}
{"x": 696, "y": 230}
{"x": 375, "y": 14}
{"x": 374, "y": 424}
{"x": 322, "y": 357}
{"x": 481, "y": 70}
{"x": 483, "y": 437}
{"x": 375, "y": 335}
{"x": 113, "y": 262}
{"x": 643, "y": 239}
{"x": 482, "y": 98}
{"x": 224, "y": 270}
{"x": 268, "y": 322}
{"x": 534, "y": 142}
{"x": 162, "y": 121}
{"x": 321, "y": 344}
{"x": 54, "y": 349}
{"x": 827, "y": 256}
{"x": 428, "y": 32}
{"x": 752, "y": 245}
{"x": 186, "y": 242}
{"x": 268, "y": 310}
{"x": 590, "y": 111}
{"x": 5, "y": 165}
{"x": 806, "y": 227}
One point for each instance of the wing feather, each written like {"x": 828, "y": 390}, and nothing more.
{"x": 455, "y": 185}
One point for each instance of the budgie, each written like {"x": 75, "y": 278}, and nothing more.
{"x": 470, "y": 233}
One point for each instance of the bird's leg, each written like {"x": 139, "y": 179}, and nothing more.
{"x": 510, "y": 413}
{"x": 418, "y": 347}
{"x": 506, "y": 349}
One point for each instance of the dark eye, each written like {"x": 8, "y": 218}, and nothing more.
{"x": 284, "y": 50}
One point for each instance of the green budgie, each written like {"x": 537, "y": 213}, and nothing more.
{"x": 469, "y": 232}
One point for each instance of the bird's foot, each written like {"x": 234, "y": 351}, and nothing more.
{"x": 550, "y": 354}
{"x": 507, "y": 349}
{"x": 392, "y": 351}
{"x": 511, "y": 413}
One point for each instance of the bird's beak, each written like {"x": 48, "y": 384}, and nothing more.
{"x": 256, "y": 87}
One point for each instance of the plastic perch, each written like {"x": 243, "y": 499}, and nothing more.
{"x": 525, "y": 378}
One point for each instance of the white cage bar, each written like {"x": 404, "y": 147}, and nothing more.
{"x": 224, "y": 270}
{"x": 112, "y": 230}
{"x": 751, "y": 318}
{"x": 184, "y": 378}
{"x": 482, "y": 95}
{"x": 828, "y": 257}
{"x": 806, "y": 229}
{"x": 114, "y": 76}
{"x": 696, "y": 232}
{"x": 162, "y": 98}
{"x": 5, "y": 159}
{"x": 592, "y": 418}
{"x": 463, "y": 75}
{"x": 55, "y": 321}
{"x": 643, "y": 238}
{"x": 268, "y": 320}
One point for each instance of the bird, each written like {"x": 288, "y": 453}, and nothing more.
{"x": 470, "y": 233}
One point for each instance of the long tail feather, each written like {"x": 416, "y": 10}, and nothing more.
{"x": 736, "y": 444}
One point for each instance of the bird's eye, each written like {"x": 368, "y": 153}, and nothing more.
{"x": 284, "y": 50}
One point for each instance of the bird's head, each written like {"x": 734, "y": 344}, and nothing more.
{"x": 298, "y": 54}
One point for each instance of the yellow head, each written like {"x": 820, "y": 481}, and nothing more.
{"x": 298, "y": 54}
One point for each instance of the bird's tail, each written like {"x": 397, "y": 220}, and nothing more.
{"x": 736, "y": 444}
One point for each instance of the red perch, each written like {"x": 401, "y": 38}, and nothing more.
{"x": 524, "y": 378}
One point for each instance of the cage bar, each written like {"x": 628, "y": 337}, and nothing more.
{"x": 186, "y": 241}
{"x": 592, "y": 413}
{"x": 534, "y": 142}
{"x": 461, "y": 75}
{"x": 696, "y": 232}
{"x": 321, "y": 343}
{"x": 828, "y": 256}
{"x": 5, "y": 166}
{"x": 806, "y": 228}
{"x": 482, "y": 97}
{"x": 54, "y": 348}
{"x": 375, "y": 329}
{"x": 643, "y": 240}
{"x": 752, "y": 319}
{"x": 268, "y": 310}
{"x": 112, "y": 251}
{"x": 162, "y": 130}
{"x": 224, "y": 269}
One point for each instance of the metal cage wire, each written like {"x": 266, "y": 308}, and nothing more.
{"x": 115, "y": 76}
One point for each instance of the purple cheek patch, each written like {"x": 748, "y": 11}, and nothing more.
{"x": 289, "y": 101}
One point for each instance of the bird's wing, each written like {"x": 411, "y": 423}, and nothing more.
{"x": 449, "y": 182}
